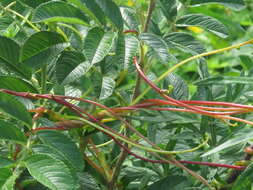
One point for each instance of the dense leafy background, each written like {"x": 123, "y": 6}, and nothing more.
{"x": 78, "y": 48}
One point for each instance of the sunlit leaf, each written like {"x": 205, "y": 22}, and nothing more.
{"x": 247, "y": 136}
{"x": 40, "y": 42}
{"x": 51, "y": 172}
{"x": 221, "y": 80}
{"x": 108, "y": 85}
{"x": 64, "y": 146}
{"x": 97, "y": 45}
{"x": 235, "y": 4}
{"x": 209, "y": 23}
{"x": 10, "y": 105}
{"x": 157, "y": 44}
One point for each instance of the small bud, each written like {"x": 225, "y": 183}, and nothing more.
{"x": 248, "y": 150}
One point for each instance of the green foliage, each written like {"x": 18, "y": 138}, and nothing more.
{"x": 89, "y": 49}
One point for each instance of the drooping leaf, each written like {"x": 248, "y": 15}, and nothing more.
{"x": 235, "y": 4}
{"x": 244, "y": 137}
{"x": 108, "y": 85}
{"x": 10, "y": 105}
{"x": 169, "y": 9}
{"x": 59, "y": 11}
{"x": 209, "y": 23}
{"x": 65, "y": 146}
{"x": 157, "y": 44}
{"x": 184, "y": 42}
{"x": 11, "y": 133}
{"x": 39, "y": 42}
{"x": 97, "y": 45}
{"x": 68, "y": 67}
{"x": 221, "y": 80}
{"x": 16, "y": 84}
{"x": 173, "y": 182}
{"x": 5, "y": 162}
{"x": 51, "y": 172}
{"x": 179, "y": 87}
{"x": 244, "y": 181}
{"x": 112, "y": 11}
{"x": 9, "y": 57}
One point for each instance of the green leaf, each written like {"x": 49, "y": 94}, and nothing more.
{"x": 244, "y": 181}
{"x": 16, "y": 84}
{"x": 246, "y": 61}
{"x": 34, "y": 4}
{"x": 10, "y": 105}
{"x": 91, "y": 8}
{"x": 108, "y": 85}
{"x": 169, "y": 9}
{"x": 70, "y": 66}
{"x": 112, "y": 11}
{"x": 244, "y": 137}
{"x": 129, "y": 17}
{"x": 5, "y": 162}
{"x": 126, "y": 49}
{"x": 157, "y": 44}
{"x": 173, "y": 182}
{"x": 222, "y": 80}
{"x": 7, "y": 179}
{"x": 11, "y": 133}
{"x": 65, "y": 146}
{"x": 51, "y": 172}
{"x": 39, "y": 42}
{"x": 184, "y": 42}
{"x": 234, "y": 4}
{"x": 59, "y": 11}
{"x": 97, "y": 45}
{"x": 209, "y": 23}
{"x": 179, "y": 87}
{"x": 9, "y": 57}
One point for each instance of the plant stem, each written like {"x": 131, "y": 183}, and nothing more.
{"x": 172, "y": 69}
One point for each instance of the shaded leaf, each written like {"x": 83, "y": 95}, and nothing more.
{"x": 157, "y": 44}
{"x": 34, "y": 4}
{"x": 184, "y": 42}
{"x": 66, "y": 147}
{"x": 16, "y": 84}
{"x": 209, "y": 23}
{"x": 51, "y": 172}
{"x": 59, "y": 11}
{"x": 112, "y": 11}
{"x": 97, "y": 45}
{"x": 5, "y": 162}
{"x": 9, "y": 57}
{"x": 173, "y": 182}
{"x": 108, "y": 85}
{"x": 11, "y": 133}
{"x": 91, "y": 8}
{"x": 244, "y": 181}
{"x": 221, "y": 80}
{"x": 40, "y": 42}
{"x": 10, "y": 105}
{"x": 169, "y": 9}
